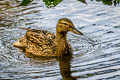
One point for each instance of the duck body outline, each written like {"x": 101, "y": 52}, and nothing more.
{"x": 43, "y": 43}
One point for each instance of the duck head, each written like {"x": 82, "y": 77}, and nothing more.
{"x": 65, "y": 25}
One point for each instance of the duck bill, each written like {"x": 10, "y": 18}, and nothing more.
{"x": 76, "y": 31}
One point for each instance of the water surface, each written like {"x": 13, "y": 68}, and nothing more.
{"x": 96, "y": 54}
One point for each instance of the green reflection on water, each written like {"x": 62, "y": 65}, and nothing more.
{"x": 109, "y": 2}
{"x": 25, "y": 2}
{"x": 83, "y": 1}
{"x": 53, "y": 3}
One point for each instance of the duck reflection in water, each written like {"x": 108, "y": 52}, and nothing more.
{"x": 64, "y": 65}
{"x": 65, "y": 68}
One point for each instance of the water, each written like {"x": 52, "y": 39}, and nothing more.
{"x": 96, "y": 54}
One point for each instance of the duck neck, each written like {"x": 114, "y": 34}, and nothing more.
{"x": 62, "y": 45}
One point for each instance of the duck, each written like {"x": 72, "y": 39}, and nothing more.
{"x": 42, "y": 43}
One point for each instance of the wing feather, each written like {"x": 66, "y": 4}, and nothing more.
{"x": 43, "y": 42}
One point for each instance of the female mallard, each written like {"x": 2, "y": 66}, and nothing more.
{"x": 44, "y": 43}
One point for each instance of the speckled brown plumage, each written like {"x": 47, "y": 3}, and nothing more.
{"x": 44, "y": 43}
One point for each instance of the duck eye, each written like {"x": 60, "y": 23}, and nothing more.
{"x": 65, "y": 23}
{"x": 20, "y": 41}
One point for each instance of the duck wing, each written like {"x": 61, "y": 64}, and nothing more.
{"x": 41, "y": 37}
{"x": 40, "y": 42}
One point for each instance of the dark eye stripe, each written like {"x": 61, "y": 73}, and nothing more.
{"x": 70, "y": 26}
{"x": 65, "y": 23}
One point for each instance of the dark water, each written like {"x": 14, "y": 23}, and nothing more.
{"x": 96, "y": 54}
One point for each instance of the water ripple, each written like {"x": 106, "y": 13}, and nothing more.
{"x": 96, "y": 53}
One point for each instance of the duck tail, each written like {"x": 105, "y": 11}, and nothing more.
{"x": 25, "y": 28}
